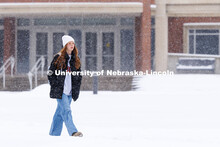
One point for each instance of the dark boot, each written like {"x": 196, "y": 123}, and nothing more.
{"x": 77, "y": 134}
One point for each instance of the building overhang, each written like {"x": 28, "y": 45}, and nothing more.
{"x": 190, "y": 8}
{"x": 193, "y": 10}
{"x": 79, "y": 8}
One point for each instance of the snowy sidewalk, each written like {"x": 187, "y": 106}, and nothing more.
{"x": 168, "y": 111}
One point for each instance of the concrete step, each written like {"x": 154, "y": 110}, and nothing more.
{"x": 107, "y": 83}
{"x": 195, "y": 66}
{"x": 19, "y": 83}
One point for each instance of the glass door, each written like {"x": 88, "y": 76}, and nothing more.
{"x": 42, "y": 47}
{"x": 23, "y": 49}
{"x": 99, "y": 50}
{"x": 57, "y": 42}
{"x": 77, "y": 35}
{"x": 127, "y": 50}
{"x": 91, "y": 56}
{"x": 108, "y": 50}
{"x": 47, "y": 44}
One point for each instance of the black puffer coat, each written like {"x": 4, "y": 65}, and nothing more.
{"x": 57, "y": 81}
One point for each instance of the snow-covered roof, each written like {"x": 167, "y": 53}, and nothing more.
{"x": 74, "y": 7}
{"x": 134, "y": 4}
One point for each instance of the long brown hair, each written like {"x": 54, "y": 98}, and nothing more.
{"x": 61, "y": 60}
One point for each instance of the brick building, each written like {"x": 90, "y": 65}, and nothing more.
{"x": 187, "y": 30}
{"x": 111, "y": 34}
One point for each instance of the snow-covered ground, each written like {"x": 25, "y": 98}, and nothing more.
{"x": 167, "y": 111}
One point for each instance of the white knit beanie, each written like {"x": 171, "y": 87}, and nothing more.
{"x": 66, "y": 39}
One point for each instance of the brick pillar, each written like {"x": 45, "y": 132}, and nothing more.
{"x": 9, "y": 39}
{"x": 143, "y": 38}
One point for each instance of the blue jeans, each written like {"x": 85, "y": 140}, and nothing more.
{"x": 63, "y": 114}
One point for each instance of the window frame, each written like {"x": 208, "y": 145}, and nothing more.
{"x": 197, "y": 26}
{"x": 2, "y": 28}
{"x": 84, "y": 28}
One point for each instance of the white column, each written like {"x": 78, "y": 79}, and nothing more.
{"x": 161, "y": 36}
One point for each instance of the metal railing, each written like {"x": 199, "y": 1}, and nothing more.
{"x": 33, "y": 72}
{"x": 8, "y": 62}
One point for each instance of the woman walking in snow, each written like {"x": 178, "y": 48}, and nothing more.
{"x": 64, "y": 88}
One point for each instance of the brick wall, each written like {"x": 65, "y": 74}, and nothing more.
{"x": 152, "y": 1}
{"x": 175, "y": 29}
{"x": 142, "y": 36}
{"x": 71, "y": 0}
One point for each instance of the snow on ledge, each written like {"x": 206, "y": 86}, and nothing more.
{"x": 187, "y": 58}
{"x": 193, "y": 55}
{"x": 153, "y": 6}
{"x": 70, "y": 8}
{"x": 194, "y": 67}
{"x": 133, "y": 4}
{"x": 202, "y": 24}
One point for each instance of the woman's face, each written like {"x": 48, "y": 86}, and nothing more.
{"x": 70, "y": 46}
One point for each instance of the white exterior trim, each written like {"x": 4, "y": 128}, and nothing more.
{"x": 196, "y": 26}
{"x": 202, "y": 24}
{"x": 72, "y": 8}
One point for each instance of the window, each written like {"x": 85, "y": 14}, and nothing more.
{"x": 127, "y": 52}
{"x": 108, "y": 51}
{"x": 1, "y": 47}
{"x": 91, "y": 51}
{"x": 152, "y": 42}
{"x": 1, "y": 42}
{"x": 57, "y": 42}
{"x": 99, "y": 21}
{"x": 203, "y": 41}
{"x": 50, "y": 21}
{"x": 127, "y": 21}
{"x": 42, "y": 47}
{"x": 75, "y": 21}
{"x": 23, "y": 22}
{"x": 1, "y": 22}
{"x": 77, "y": 35}
{"x": 23, "y": 48}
